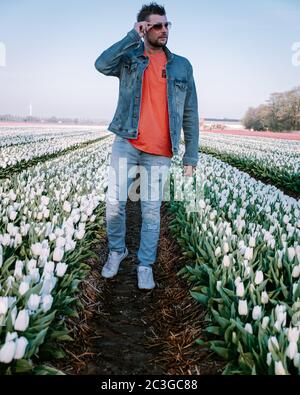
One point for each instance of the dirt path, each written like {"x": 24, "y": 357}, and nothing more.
{"x": 123, "y": 324}
{"x": 127, "y": 331}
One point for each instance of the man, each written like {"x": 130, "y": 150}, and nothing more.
{"x": 157, "y": 97}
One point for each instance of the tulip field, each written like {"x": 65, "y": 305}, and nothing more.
{"x": 48, "y": 214}
{"x": 242, "y": 240}
{"x": 275, "y": 160}
{"x": 244, "y": 246}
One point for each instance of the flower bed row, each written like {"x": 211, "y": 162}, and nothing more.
{"x": 50, "y": 215}
{"x": 243, "y": 242}
{"x": 276, "y": 161}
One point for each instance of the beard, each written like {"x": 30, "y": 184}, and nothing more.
{"x": 158, "y": 43}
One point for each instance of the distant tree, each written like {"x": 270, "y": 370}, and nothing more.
{"x": 251, "y": 119}
{"x": 282, "y": 112}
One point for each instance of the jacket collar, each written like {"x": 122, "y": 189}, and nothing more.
{"x": 140, "y": 52}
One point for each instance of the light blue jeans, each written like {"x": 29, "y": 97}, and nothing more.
{"x": 126, "y": 161}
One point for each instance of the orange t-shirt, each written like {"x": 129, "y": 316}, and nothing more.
{"x": 153, "y": 128}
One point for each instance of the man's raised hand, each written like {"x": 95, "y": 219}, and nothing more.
{"x": 141, "y": 28}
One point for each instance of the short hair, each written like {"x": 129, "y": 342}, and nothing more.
{"x": 150, "y": 9}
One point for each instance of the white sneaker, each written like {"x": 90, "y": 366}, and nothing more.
{"x": 145, "y": 278}
{"x": 111, "y": 268}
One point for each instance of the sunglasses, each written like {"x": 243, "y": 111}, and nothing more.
{"x": 158, "y": 26}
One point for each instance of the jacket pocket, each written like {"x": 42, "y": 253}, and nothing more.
{"x": 180, "y": 92}
{"x": 129, "y": 74}
{"x": 130, "y": 67}
{"x": 181, "y": 85}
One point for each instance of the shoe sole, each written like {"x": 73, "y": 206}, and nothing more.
{"x": 125, "y": 256}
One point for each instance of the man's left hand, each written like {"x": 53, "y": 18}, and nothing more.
{"x": 188, "y": 170}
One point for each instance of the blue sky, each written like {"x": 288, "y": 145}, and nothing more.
{"x": 240, "y": 51}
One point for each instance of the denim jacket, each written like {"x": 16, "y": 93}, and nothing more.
{"x": 126, "y": 60}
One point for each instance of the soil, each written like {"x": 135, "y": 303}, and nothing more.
{"x": 126, "y": 331}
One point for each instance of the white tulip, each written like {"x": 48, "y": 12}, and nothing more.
{"x": 36, "y": 249}
{"x": 252, "y": 242}
{"x": 58, "y": 231}
{"x": 34, "y": 275}
{"x": 291, "y": 253}
{"x": 49, "y": 267}
{"x": 7, "y": 352}
{"x": 60, "y": 242}
{"x": 12, "y": 230}
{"x": 248, "y": 253}
{"x": 23, "y": 288}
{"x": 6, "y": 240}
{"x": 67, "y": 206}
{"x": 269, "y": 359}
{"x": 31, "y": 264}
{"x": 58, "y": 254}
{"x": 10, "y": 282}
{"x": 281, "y": 317}
{"x": 52, "y": 236}
{"x": 61, "y": 268}
{"x": 296, "y": 271}
{"x": 22, "y": 321}
{"x": 237, "y": 281}
{"x": 291, "y": 350}
{"x": 248, "y": 328}
{"x": 18, "y": 240}
{"x": 219, "y": 284}
{"x": 12, "y": 195}
{"x": 79, "y": 234}
{"x": 279, "y": 369}
{"x": 225, "y": 248}
{"x": 93, "y": 218}
{"x": 243, "y": 307}
{"x": 12, "y": 215}
{"x": 33, "y": 302}
{"x": 11, "y": 336}
{"x": 3, "y": 304}
{"x": 293, "y": 334}
{"x": 45, "y": 200}
{"x": 259, "y": 277}
{"x": 48, "y": 284}
{"x": 83, "y": 217}
{"x": 47, "y": 303}
{"x": 70, "y": 245}
{"x": 218, "y": 252}
{"x": 226, "y": 261}
{"x": 1, "y": 255}
{"x": 264, "y": 297}
{"x": 256, "y": 313}
{"x": 278, "y": 325}
{"x": 21, "y": 344}
{"x": 240, "y": 290}
{"x": 18, "y": 272}
{"x": 24, "y": 229}
{"x": 265, "y": 322}
{"x": 45, "y": 252}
